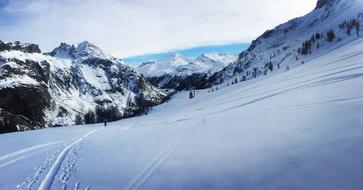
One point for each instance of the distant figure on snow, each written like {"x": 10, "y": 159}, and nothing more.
{"x": 105, "y": 122}
{"x": 191, "y": 96}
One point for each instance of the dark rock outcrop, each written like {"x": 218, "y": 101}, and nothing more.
{"x": 64, "y": 50}
{"x": 28, "y": 48}
{"x": 322, "y": 3}
{"x": 12, "y": 123}
{"x": 28, "y": 101}
{"x": 180, "y": 83}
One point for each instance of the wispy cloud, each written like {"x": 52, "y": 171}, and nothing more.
{"x": 134, "y": 27}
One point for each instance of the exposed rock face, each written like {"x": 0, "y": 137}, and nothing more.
{"x": 28, "y": 48}
{"x": 24, "y": 99}
{"x": 52, "y": 89}
{"x": 28, "y": 101}
{"x": 12, "y": 123}
{"x": 64, "y": 51}
{"x": 180, "y": 83}
{"x": 322, "y": 3}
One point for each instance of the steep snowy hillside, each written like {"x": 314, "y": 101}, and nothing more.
{"x": 180, "y": 72}
{"x": 71, "y": 84}
{"x": 332, "y": 24}
{"x": 298, "y": 129}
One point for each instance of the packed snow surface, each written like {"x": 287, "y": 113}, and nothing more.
{"x": 296, "y": 129}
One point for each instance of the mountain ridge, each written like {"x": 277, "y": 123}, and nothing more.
{"x": 295, "y": 42}
{"x": 71, "y": 82}
{"x": 180, "y": 72}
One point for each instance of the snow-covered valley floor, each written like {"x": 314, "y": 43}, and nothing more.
{"x": 297, "y": 129}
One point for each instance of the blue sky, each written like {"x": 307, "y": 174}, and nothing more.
{"x": 234, "y": 48}
{"x": 4, "y": 17}
{"x": 126, "y": 28}
{"x": 3, "y": 3}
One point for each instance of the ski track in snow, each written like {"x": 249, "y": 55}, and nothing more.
{"x": 23, "y": 153}
{"x": 68, "y": 169}
{"x": 31, "y": 180}
{"x": 47, "y": 182}
{"x": 303, "y": 86}
{"x": 158, "y": 161}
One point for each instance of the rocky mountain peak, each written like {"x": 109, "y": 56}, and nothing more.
{"x": 177, "y": 59}
{"x": 87, "y": 49}
{"x": 71, "y": 82}
{"x": 63, "y": 51}
{"x": 83, "y": 50}
{"x": 24, "y": 47}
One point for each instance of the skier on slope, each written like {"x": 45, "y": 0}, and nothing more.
{"x": 105, "y": 122}
{"x": 191, "y": 94}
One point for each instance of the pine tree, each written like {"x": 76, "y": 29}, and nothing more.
{"x": 90, "y": 117}
{"x": 270, "y": 66}
{"x": 330, "y": 35}
{"x": 317, "y": 36}
{"x": 78, "y": 120}
{"x": 312, "y": 39}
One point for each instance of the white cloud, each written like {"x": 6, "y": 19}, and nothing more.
{"x": 133, "y": 27}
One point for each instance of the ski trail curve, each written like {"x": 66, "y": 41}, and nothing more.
{"x": 13, "y": 161}
{"x": 20, "y": 154}
{"x": 49, "y": 178}
{"x": 156, "y": 163}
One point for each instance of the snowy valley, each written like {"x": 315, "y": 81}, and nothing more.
{"x": 300, "y": 129}
{"x": 286, "y": 114}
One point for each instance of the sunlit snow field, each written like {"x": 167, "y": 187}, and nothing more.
{"x": 296, "y": 129}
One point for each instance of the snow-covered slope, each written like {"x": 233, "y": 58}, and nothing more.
{"x": 297, "y": 41}
{"x": 177, "y": 70}
{"x": 298, "y": 129}
{"x": 72, "y": 80}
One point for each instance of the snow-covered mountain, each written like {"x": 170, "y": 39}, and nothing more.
{"x": 81, "y": 51}
{"x": 296, "y": 130}
{"x": 181, "y": 72}
{"x": 291, "y": 129}
{"x": 330, "y": 25}
{"x": 70, "y": 84}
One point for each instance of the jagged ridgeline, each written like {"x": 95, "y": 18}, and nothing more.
{"x": 66, "y": 86}
{"x": 179, "y": 72}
